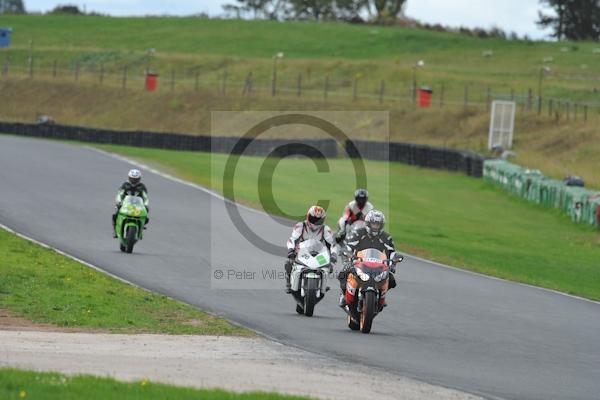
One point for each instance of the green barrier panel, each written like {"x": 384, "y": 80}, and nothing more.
{"x": 582, "y": 205}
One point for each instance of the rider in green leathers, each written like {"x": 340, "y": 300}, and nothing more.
{"x": 132, "y": 187}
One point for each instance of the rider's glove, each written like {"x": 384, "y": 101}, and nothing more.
{"x": 393, "y": 268}
{"x": 359, "y": 215}
{"x": 339, "y": 236}
{"x": 333, "y": 258}
{"x": 292, "y": 254}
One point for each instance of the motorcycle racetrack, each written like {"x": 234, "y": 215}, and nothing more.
{"x": 444, "y": 326}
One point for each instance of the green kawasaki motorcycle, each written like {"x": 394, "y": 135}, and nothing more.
{"x": 130, "y": 222}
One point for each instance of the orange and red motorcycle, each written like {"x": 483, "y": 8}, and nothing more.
{"x": 367, "y": 285}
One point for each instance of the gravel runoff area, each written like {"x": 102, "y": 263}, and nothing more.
{"x": 238, "y": 364}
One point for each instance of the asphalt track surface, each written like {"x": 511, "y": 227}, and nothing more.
{"x": 444, "y": 326}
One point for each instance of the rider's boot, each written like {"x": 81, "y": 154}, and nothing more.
{"x": 288, "y": 276}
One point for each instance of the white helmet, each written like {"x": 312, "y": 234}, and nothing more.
{"x": 315, "y": 217}
{"x": 374, "y": 222}
{"x": 135, "y": 176}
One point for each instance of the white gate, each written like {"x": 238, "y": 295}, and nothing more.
{"x": 502, "y": 124}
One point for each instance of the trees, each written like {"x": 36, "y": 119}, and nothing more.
{"x": 317, "y": 9}
{"x": 12, "y": 7}
{"x": 572, "y": 19}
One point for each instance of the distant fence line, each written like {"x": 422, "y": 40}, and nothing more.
{"x": 298, "y": 85}
{"x": 467, "y": 162}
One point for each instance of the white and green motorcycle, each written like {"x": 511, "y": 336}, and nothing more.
{"x": 309, "y": 275}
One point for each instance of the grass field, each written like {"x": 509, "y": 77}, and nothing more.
{"x": 18, "y": 384}
{"x": 45, "y": 287}
{"x": 341, "y": 51}
{"x": 443, "y": 216}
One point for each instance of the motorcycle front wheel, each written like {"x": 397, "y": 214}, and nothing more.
{"x": 310, "y": 296}
{"x": 130, "y": 238}
{"x": 368, "y": 311}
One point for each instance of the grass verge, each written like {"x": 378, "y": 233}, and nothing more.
{"x": 443, "y": 216}
{"x": 18, "y": 384}
{"x": 45, "y": 287}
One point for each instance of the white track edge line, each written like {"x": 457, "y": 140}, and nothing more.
{"x": 219, "y": 196}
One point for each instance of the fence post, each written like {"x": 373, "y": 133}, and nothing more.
{"x": 172, "y": 79}
{"x": 558, "y": 109}
{"x": 247, "y": 85}
{"x": 466, "y": 96}
{"x": 326, "y": 87}
{"x": 381, "y": 91}
{"x": 299, "y": 85}
{"x": 224, "y": 84}
{"x": 196, "y": 80}
{"x": 101, "y": 74}
{"x": 274, "y": 79}
{"x": 529, "y": 99}
{"x": 442, "y": 96}
{"x": 585, "y": 111}
{"x": 576, "y": 107}
{"x": 54, "y": 69}
{"x": 550, "y": 107}
{"x": 124, "y": 83}
{"x": 355, "y": 89}
{"x": 488, "y": 98}
{"x": 568, "y": 105}
{"x": 6, "y": 66}
{"x": 31, "y": 67}
{"x": 512, "y": 94}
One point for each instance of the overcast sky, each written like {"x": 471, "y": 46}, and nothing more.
{"x": 511, "y": 15}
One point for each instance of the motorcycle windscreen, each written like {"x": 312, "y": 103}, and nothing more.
{"x": 372, "y": 256}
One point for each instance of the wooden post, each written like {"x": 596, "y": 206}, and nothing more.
{"x": 466, "y": 96}
{"x": 558, "y": 109}
{"x": 576, "y": 108}
{"x": 442, "y": 96}
{"x": 247, "y": 84}
{"x": 529, "y": 99}
{"x": 585, "y": 111}
{"x": 172, "y": 79}
{"x": 299, "y": 86}
{"x": 101, "y": 74}
{"x": 488, "y": 98}
{"x": 381, "y": 91}
{"x": 124, "y": 83}
{"x": 54, "y": 65}
{"x": 274, "y": 79}
{"x": 224, "y": 84}
{"x": 355, "y": 89}
{"x": 31, "y": 68}
{"x": 196, "y": 80}
{"x": 550, "y": 107}
{"x": 326, "y": 87}
{"x": 6, "y": 66}
{"x": 568, "y": 105}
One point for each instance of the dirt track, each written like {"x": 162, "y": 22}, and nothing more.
{"x": 238, "y": 364}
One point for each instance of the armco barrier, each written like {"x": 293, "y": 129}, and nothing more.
{"x": 420, "y": 155}
{"x": 414, "y": 154}
{"x": 581, "y": 204}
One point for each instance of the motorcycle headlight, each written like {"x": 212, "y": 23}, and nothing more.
{"x": 365, "y": 277}
{"x": 382, "y": 276}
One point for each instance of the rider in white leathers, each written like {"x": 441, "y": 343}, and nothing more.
{"x": 313, "y": 227}
{"x": 355, "y": 210}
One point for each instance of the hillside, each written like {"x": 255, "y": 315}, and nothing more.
{"x": 200, "y": 55}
